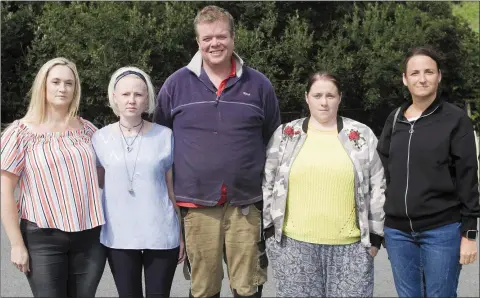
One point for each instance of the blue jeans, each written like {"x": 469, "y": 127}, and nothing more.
{"x": 425, "y": 264}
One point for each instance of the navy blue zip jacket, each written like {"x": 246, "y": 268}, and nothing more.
{"x": 431, "y": 169}
{"x": 218, "y": 139}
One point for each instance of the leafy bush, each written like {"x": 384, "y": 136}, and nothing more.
{"x": 363, "y": 42}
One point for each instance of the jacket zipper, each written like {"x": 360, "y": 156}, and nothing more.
{"x": 411, "y": 130}
{"x": 408, "y": 173}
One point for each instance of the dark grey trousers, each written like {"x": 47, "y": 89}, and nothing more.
{"x": 63, "y": 264}
{"x": 304, "y": 269}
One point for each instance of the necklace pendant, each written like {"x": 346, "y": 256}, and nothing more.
{"x": 129, "y": 149}
{"x": 131, "y": 191}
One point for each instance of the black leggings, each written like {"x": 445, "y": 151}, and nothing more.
{"x": 126, "y": 266}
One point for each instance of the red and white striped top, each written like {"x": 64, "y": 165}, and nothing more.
{"x": 58, "y": 176}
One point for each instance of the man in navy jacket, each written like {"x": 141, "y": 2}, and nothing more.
{"x": 222, "y": 114}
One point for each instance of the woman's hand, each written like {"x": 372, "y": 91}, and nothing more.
{"x": 9, "y": 212}
{"x": 468, "y": 251}
{"x": 181, "y": 253}
{"x": 373, "y": 251}
{"x": 171, "y": 195}
{"x": 20, "y": 258}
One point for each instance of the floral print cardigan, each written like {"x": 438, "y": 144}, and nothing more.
{"x": 360, "y": 143}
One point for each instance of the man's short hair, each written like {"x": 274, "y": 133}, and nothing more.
{"x": 212, "y": 13}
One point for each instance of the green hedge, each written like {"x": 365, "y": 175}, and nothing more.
{"x": 363, "y": 42}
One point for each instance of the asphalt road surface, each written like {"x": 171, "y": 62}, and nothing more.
{"x": 14, "y": 284}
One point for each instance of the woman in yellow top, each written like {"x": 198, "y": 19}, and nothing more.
{"x": 323, "y": 195}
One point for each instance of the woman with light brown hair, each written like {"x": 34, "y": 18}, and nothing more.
{"x": 49, "y": 153}
{"x": 323, "y": 193}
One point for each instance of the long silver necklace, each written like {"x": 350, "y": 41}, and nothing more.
{"x": 131, "y": 177}
{"x": 130, "y": 146}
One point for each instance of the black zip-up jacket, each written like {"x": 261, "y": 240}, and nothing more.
{"x": 431, "y": 169}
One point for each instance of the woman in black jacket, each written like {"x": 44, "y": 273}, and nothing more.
{"x": 432, "y": 203}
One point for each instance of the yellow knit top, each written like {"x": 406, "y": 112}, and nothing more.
{"x": 321, "y": 202}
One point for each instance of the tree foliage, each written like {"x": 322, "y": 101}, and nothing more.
{"x": 18, "y": 24}
{"x": 362, "y": 42}
{"x": 368, "y": 51}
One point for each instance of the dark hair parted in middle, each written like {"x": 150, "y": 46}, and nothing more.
{"x": 422, "y": 51}
{"x": 323, "y": 75}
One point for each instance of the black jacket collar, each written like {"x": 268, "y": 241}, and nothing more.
{"x": 436, "y": 103}
{"x": 339, "y": 124}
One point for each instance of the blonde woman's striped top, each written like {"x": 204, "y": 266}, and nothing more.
{"x": 57, "y": 176}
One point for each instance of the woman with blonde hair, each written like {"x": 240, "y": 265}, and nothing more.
{"x": 50, "y": 154}
{"x": 135, "y": 157}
